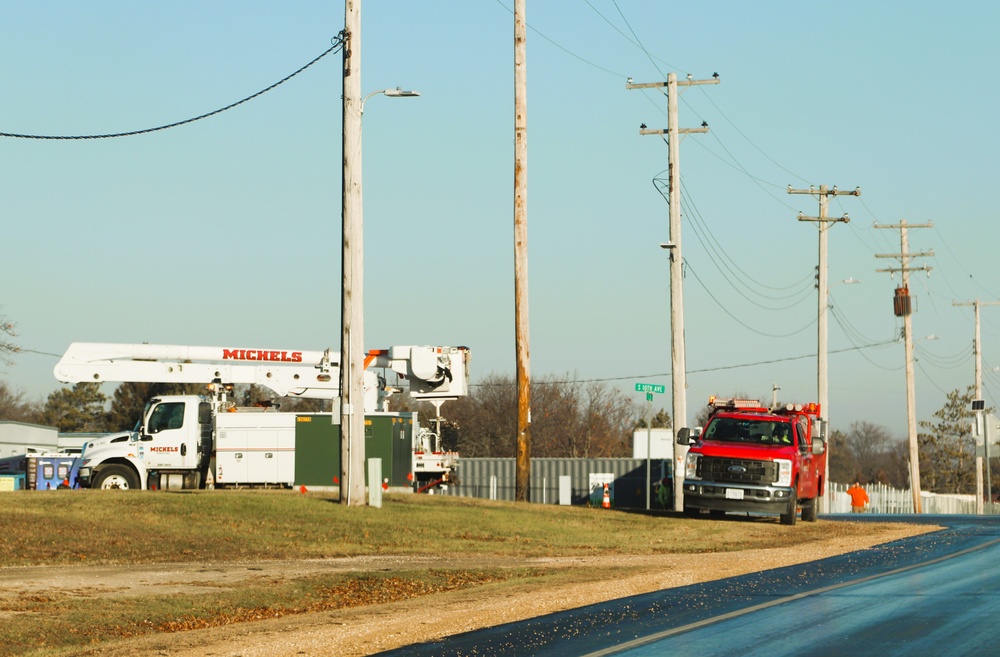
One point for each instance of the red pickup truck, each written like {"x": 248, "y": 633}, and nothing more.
{"x": 755, "y": 459}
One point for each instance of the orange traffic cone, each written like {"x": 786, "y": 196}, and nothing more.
{"x": 607, "y": 498}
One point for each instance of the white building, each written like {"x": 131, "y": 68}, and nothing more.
{"x": 19, "y": 438}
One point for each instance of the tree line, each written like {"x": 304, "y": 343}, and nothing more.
{"x": 570, "y": 418}
{"x": 868, "y": 452}
{"x": 85, "y": 409}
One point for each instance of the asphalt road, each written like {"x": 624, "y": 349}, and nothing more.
{"x": 936, "y": 594}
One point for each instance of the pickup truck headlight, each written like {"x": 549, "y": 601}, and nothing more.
{"x": 784, "y": 472}
{"x": 691, "y": 466}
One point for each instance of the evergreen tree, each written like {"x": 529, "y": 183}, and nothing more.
{"x": 80, "y": 409}
{"x": 661, "y": 420}
{"x": 129, "y": 401}
{"x": 947, "y": 448}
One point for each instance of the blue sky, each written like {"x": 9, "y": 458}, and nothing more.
{"x": 226, "y": 231}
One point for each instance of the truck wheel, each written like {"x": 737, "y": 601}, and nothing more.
{"x": 118, "y": 477}
{"x": 809, "y": 508}
{"x": 788, "y": 517}
{"x": 691, "y": 511}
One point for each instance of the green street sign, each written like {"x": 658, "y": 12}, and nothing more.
{"x": 650, "y": 387}
{"x": 649, "y": 396}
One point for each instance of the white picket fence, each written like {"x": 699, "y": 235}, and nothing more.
{"x": 884, "y": 499}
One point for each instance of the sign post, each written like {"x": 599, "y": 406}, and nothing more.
{"x": 649, "y": 389}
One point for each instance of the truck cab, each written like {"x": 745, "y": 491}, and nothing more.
{"x": 754, "y": 459}
{"x": 173, "y": 438}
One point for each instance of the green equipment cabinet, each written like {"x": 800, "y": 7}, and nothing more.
{"x": 388, "y": 436}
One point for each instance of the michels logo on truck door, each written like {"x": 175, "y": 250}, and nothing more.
{"x": 262, "y": 354}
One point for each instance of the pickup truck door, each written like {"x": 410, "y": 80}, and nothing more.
{"x": 169, "y": 437}
{"x": 807, "y": 469}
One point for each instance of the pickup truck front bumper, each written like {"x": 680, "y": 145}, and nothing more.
{"x": 713, "y": 496}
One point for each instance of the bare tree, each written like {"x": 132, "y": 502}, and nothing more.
{"x": 569, "y": 419}
{"x": 14, "y": 407}
{"x": 7, "y": 331}
{"x": 843, "y": 463}
{"x": 869, "y": 442}
{"x": 487, "y": 418}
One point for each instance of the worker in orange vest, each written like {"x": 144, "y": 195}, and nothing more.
{"x": 859, "y": 498}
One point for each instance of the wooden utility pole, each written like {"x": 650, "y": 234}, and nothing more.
{"x": 678, "y": 364}
{"x": 977, "y": 348}
{"x": 522, "y": 491}
{"x": 823, "y": 294}
{"x": 902, "y": 307}
{"x": 352, "y": 370}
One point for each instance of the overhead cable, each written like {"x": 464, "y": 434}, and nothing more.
{"x": 338, "y": 43}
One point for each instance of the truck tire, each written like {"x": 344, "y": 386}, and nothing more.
{"x": 691, "y": 511}
{"x": 809, "y": 509}
{"x": 116, "y": 477}
{"x": 788, "y": 517}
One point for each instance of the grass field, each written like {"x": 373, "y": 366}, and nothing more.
{"x": 78, "y": 529}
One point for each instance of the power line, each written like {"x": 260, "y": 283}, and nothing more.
{"x": 564, "y": 49}
{"x": 635, "y": 43}
{"x": 759, "y": 149}
{"x": 338, "y": 42}
{"x": 687, "y": 267}
{"x": 692, "y": 371}
{"x": 712, "y": 245}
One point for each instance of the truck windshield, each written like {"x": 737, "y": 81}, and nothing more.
{"x": 759, "y": 432}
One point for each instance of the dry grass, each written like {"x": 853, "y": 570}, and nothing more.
{"x": 78, "y": 529}
{"x": 108, "y": 527}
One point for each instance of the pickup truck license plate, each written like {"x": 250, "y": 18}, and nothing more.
{"x": 734, "y": 493}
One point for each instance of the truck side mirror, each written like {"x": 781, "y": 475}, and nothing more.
{"x": 687, "y": 436}
{"x": 818, "y": 446}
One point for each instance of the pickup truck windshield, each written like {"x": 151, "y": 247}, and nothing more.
{"x": 758, "y": 432}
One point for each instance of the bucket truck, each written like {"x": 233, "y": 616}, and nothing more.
{"x": 191, "y": 441}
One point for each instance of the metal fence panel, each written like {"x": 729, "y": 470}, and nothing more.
{"x": 495, "y": 478}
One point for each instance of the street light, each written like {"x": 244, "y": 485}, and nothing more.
{"x": 391, "y": 93}
{"x": 352, "y": 383}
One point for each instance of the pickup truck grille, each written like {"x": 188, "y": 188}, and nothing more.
{"x": 740, "y": 471}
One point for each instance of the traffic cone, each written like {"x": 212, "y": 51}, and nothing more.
{"x": 607, "y": 498}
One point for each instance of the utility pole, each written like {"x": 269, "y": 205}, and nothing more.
{"x": 822, "y": 271}
{"x": 977, "y": 348}
{"x": 352, "y": 370}
{"x": 678, "y": 366}
{"x": 522, "y": 492}
{"x": 902, "y": 307}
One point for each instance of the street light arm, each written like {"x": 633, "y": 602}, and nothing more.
{"x": 396, "y": 92}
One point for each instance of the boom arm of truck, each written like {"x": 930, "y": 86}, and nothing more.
{"x": 432, "y": 372}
